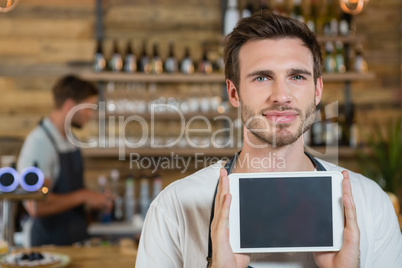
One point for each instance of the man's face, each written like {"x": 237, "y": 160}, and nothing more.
{"x": 82, "y": 116}
{"x": 277, "y": 91}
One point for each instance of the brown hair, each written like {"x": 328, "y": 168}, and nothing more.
{"x": 72, "y": 87}
{"x": 266, "y": 25}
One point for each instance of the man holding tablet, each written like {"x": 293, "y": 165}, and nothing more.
{"x": 273, "y": 73}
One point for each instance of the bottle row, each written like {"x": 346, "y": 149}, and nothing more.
{"x": 340, "y": 59}
{"x": 142, "y": 98}
{"x": 126, "y": 204}
{"x": 142, "y": 62}
{"x": 322, "y": 16}
{"x": 332, "y": 129}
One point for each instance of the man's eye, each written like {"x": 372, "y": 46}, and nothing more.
{"x": 261, "y": 79}
{"x": 298, "y": 77}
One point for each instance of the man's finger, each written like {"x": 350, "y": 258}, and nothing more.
{"x": 219, "y": 198}
{"x": 352, "y": 229}
{"x": 223, "y": 187}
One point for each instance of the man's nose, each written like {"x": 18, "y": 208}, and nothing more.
{"x": 280, "y": 92}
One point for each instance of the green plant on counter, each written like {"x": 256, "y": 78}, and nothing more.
{"x": 383, "y": 160}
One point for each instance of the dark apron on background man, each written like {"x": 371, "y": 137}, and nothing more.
{"x": 69, "y": 226}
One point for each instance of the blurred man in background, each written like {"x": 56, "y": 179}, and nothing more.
{"x": 60, "y": 219}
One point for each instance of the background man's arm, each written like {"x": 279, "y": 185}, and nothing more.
{"x": 58, "y": 203}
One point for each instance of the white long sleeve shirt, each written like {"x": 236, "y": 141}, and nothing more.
{"x": 175, "y": 232}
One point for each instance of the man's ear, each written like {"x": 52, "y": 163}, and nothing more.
{"x": 318, "y": 90}
{"x": 69, "y": 104}
{"x": 232, "y": 93}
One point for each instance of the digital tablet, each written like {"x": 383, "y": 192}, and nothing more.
{"x": 286, "y": 212}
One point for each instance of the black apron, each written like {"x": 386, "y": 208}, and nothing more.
{"x": 229, "y": 166}
{"x": 70, "y": 226}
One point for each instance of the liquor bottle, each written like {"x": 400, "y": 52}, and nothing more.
{"x": 331, "y": 22}
{"x": 329, "y": 64}
{"x": 297, "y": 11}
{"x": 157, "y": 186}
{"x": 171, "y": 61}
{"x": 360, "y": 62}
{"x": 341, "y": 126}
{"x": 144, "y": 196}
{"x": 334, "y": 23}
{"x": 104, "y": 215}
{"x": 349, "y": 136}
{"x": 320, "y": 18}
{"x": 248, "y": 9}
{"x": 118, "y": 200}
{"x": 345, "y": 21}
{"x": 116, "y": 60}
{"x": 339, "y": 58}
{"x": 312, "y": 17}
{"x": 144, "y": 65}
{"x": 353, "y": 130}
{"x": 187, "y": 66}
{"x": 330, "y": 130}
{"x": 130, "y": 61}
{"x": 99, "y": 58}
{"x": 205, "y": 66}
{"x": 231, "y": 17}
{"x": 219, "y": 63}
{"x": 280, "y": 8}
{"x": 156, "y": 62}
{"x": 317, "y": 129}
{"x": 129, "y": 199}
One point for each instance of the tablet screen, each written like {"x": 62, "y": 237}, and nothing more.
{"x": 285, "y": 212}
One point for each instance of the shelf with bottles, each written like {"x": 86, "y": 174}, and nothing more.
{"x": 132, "y": 197}
{"x": 146, "y": 63}
{"x": 165, "y": 137}
{"x": 161, "y": 101}
{"x": 342, "y": 52}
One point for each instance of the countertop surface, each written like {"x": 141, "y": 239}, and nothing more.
{"x": 113, "y": 228}
{"x": 93, "y": 257}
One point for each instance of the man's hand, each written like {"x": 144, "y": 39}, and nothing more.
{"x": 97, "y": 200}
{"x": 348, "y": 256}
{"x": 222, "y": 255}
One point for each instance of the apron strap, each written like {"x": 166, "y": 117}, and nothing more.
{"x": 229, "y": 166}
{"x": 317, "y": 164}
{"x": 47, "y": 132}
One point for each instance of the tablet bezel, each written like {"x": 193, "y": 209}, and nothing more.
{"x": 337, "y": 211}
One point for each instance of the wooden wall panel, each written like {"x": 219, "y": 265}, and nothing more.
{"x": 25, "y": 102}
{"x": 37, "y": 27}
{"x": 19, "y": 125}
{"x": 153, "y": 17}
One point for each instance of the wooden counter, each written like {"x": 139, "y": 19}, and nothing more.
{"x": 93, "y": 257}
